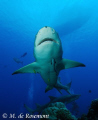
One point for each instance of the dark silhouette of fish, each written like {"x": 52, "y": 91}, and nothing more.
{"x": 17, "y": 60}
{"x": 24, "y": 54}
{"x": 89, "y": 91}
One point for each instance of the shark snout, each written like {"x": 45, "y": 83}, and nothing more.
{"x": 46, "y": 34}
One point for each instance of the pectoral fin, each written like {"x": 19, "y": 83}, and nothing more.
{"x": 31, "y": 68}
{"x": 65, "y": 64}
{"x": 48, "y": 88}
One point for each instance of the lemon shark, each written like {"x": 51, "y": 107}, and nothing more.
{"x": 65, "y": 99}
{"x": 48, "y": 59}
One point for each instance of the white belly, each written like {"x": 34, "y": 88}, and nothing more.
{"x": 47, "y": 52}
{"x": 49, "y": 77}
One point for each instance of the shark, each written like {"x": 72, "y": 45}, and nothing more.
{"x": 65, "y": 99}
{"x": 48, "y": 59}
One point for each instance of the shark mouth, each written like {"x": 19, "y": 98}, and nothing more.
{"x": 47, "y": 39}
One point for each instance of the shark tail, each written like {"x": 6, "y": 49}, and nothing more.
{"x": 29, "y": 109}
{"x": 68, "y": 86}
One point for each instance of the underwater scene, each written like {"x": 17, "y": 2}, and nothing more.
{"x": 49, "y": 59}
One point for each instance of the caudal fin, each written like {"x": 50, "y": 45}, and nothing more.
{"x": 68, "y": 86}
{"x": 29, "y": 109}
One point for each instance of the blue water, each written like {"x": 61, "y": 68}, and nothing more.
{"x": 77, "y": 25}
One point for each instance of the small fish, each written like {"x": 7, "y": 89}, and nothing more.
{"x": 17, "y": 60}
{"x": 89, "y": 91}
{"x": 24, "y": 54}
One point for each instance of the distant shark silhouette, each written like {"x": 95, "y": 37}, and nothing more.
{"x": 48, "y": 59}
{"x": 17, "y": 60}
{"x": 65, "y": 99}
{"x": 23, "y": 55}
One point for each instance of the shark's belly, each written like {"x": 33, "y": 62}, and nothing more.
{"x": 47, "y": 52}
{"x": 44, "y": 55}
{"x": 49, "y": 77}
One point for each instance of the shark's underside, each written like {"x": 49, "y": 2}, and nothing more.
{"x": 48, "y": 59}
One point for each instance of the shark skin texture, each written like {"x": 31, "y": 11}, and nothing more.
{"x": 48, "y": 59}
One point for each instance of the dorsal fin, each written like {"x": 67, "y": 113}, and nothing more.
{"x": 38, "y": 105}
{"x": 52, "y": 98}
